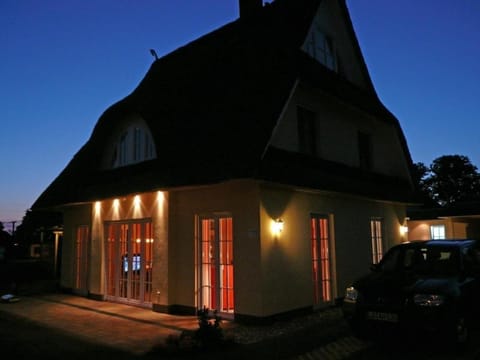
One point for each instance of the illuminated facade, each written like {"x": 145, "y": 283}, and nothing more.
{"x": 257, "y": 180}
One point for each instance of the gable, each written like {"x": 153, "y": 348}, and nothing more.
{"x": 323, "y": 142}
{"x": 332, "y": 42}
{"x": 339, "y": 132}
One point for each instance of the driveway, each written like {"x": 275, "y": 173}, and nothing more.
{"x": 128, "y": 329}
{"x": 60, "y": 326}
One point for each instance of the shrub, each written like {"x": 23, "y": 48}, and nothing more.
{"x": 209, "y": 332}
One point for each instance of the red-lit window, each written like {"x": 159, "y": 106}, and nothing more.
{"x": 226, "y": 264}
{"x": 216, "y": 271}
{"x": 376, "y": 232}
{"x": 81, "y": 257}
{"x": 321, "y": 262}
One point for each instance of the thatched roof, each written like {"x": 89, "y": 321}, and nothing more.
{"x": 211, "y": 107}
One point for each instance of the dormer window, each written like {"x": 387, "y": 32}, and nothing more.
{"x": 133, "y": 144}
{"x": 320, "y": 46}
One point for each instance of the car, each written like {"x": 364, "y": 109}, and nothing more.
{"x": 419, "y": 287}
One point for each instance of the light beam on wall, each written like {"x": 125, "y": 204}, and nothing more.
{"x": 98, "y": 206}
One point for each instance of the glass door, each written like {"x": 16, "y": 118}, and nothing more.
{"x": 129, "y": 261}
{"x": 321, "y": 259}
{"x": 216, "y": 270}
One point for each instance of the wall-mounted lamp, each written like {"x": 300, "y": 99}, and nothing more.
{"x": 277, "y": 226}
{"x": 403, "y": 230}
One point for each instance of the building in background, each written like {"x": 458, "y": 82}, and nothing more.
{"x": 460, "y": 221}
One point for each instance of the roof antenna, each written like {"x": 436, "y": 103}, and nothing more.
{"x": 154, "y": 54}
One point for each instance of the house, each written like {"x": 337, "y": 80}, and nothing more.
{"x": 460, "y": 221}
{"x": 253, "y": 171}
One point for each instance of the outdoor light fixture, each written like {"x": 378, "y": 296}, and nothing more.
{"x": 136, "y": 200}
{"x": 277, "y": 226}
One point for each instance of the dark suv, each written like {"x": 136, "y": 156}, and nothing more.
{"x": 423, "y": 286}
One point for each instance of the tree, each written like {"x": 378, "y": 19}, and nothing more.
{"x": 449, "y": 179}
{"x": 420, "y": 174}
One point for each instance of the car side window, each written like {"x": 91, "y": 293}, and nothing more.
{"x": 414, "y": 259}
{"x": 390, "y": 261}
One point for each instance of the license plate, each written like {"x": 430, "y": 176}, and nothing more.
{"x": 380, "y": 316}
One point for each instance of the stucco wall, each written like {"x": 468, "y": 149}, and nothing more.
{"x": 272, "y": 273}
{"x": 286, "y": 260}
{"x": 238, "y": 199}
{"x": 337, "y": 128}
{"x": 152, "y": 206}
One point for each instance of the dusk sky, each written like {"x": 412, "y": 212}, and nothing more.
{"x": 63, "y": 63}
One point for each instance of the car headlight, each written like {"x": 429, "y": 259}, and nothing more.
{"x": 351, "y": 295}
{"x": 428, "y": 299}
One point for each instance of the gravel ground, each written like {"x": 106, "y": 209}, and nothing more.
{"x": 281, "y": 340}
{"x": 243, "y": 334}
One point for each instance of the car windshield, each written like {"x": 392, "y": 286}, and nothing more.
{"x": 425, "y": 260}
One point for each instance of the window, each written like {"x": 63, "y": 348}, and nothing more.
{"x": 122, "y": 149}
{"x": 365, "y": 151}
{"x": 137, "y": 144}
{"x": 321, "y": 261}
{"x": 320, "y": 46}
{"x": 149, "y": 148}
{"x": 129, "y": 260}
{"x": 134, "y": 145}
{"x": 437, "y": 232}
{"x": 216, "y": 264}
{"x": 376, "y": 232}
{"x": 81, "y": 258}
{"x": 306, "y": 131}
